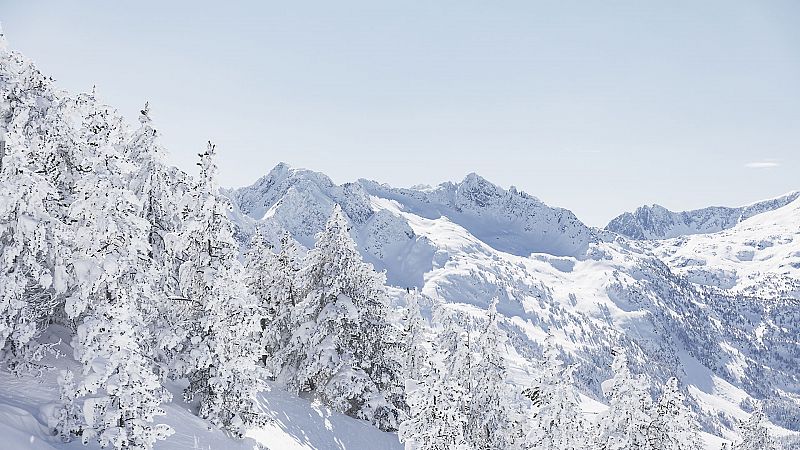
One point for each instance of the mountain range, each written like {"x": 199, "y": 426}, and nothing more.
{"x": 710, "y": 296}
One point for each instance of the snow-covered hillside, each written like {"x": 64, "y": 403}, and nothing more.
{"x": 759, "y": 257}
{"x": 27, "y": 406}
{"x": 466, "y": 243}
{"x": 657, "y": 222}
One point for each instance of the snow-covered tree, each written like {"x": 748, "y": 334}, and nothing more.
{"x": 461, "y": 399}
{"x": 121, "y": 393}
{"x": 489, "y": 416}
{"x": 260, "y": 264}
{"x": 273, "y": 279}
{"x": 673, "y": 425}
{"x": 557, "y": 422}
{"x": 33, "y": 254}
{"x": 32, "y": 257}
{"x": 119, "y": 390}
{"x": 342, "y": 334}
{"x": 158, "y": 188}
{"x": 624, "y": 425}
{"x": 221, "y": 327}
{"x": 437, "y": 401}
{"x": 436, "y": 418}
{"x": 754, "y": 434}
{"x": 415, "y": 337}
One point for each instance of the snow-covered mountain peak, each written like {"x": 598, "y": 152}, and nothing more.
{"x": 511, "y": 221}
{"x": 658, "y": 222}
{"x": 758, "y": 256}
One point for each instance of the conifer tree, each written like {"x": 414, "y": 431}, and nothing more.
{"x": 490, "y": 423}
{"x": 557, "y": 423}
{"x": 221, "y": 347}
{"x": 753, "y": 433}
{"x": 416, "y": 338}
{"x": 155, "y": 186}
{"x": 624, "y": 425}
{"x": 119, "y": 391}
{"x": 273, "y": 279}
{"x": 341, "y": 334}
{"x": 673, "y": 426}
{"x": 260, "y": 264}
{"x": 437, "y": 403}
{"x": 33, "y": 254}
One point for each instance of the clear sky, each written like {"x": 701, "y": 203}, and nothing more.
{"x": 596, "y": 106}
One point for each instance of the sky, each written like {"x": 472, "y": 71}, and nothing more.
{"x": 595, "y": 106}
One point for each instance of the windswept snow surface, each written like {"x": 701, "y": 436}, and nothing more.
{"x": 465, "y": 243}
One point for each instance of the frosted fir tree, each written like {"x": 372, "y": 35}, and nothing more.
{"x": 339, "y": 349}
{"x": 155, "y": 186}
{"x": 273, "y": 279}
{"x": 437, "y": 401}
{"x": 673, "y": 426}
{"x": 221, "y": 320}
{"x": 119, "y": 391}
{"x": 624, "y": 425}
{"x": 38, "y": 119}
{"x": 436, "y": 417}
{"x": 557, "y": 422}
{"x": 163, "y": 193}
{"x": 415, "y": 336}
{"x": 490, "y": 424}
{"x": 754, "y": 434}
{"x": 260, "y": 265}
{"x": 33, "y": 254}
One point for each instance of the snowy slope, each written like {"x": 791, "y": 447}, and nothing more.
{"x": 465, "y": 243}
{"x": 760, "y": 256}
{"x": 26, "y": 403}
{"x": 657, "y": 222}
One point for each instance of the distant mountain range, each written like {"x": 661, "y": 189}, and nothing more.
{"x": 726, "y": 325}
{"x": 657, "y": 222}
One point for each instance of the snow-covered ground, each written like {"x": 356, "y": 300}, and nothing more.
{"x": 295, "y": 423}
{"x": 759, "y": 256}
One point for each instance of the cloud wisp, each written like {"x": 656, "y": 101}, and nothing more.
{"x": 767, "y": 164}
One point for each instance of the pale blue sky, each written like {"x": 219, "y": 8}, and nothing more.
{"x": 596, "y": 106}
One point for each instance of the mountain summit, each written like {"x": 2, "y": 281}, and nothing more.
{"x": 657, "y": 222}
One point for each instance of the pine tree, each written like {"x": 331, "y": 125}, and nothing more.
{"x": 753, "y": 433}
{"x": 437, "y": 403}
{"x": 557, "y": 423}
{"x": 673, "y": 426}
{"x": 155, "y": 186}
{"x": 119, "y": 391}
{"x": 338, "y": 349}
{"x": 287, "y": 293}
{"x": 489, "y": 423}
{"x": 221, "y": 347}
{"x": 33, "y": 277}
{"x": 260, "y": 264}
{"x": 33, "y": 253}
{"x": 624, "y": 425}
{"x": 273, "y": 279}
{"x": 416, "y": 339}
